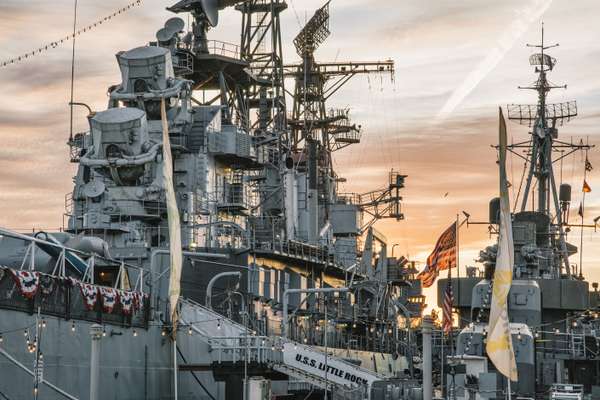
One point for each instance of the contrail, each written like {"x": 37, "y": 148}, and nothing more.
{"x": 525, "y": 17}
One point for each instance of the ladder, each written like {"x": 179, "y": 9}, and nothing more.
{"x": 232, "y": 343}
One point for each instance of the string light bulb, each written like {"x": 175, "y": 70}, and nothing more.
{"x": 190, "y": 330}
{"x": 104, "y": 331}
{"x": 43, "y": 323}
{"x": 219, "y": 324}
{"x": 73, "y": 326}
{"x": 134, "y": 333}
{"x": 1, "y": 338}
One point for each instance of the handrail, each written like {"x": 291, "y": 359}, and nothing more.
{"x": 15, "y": 235}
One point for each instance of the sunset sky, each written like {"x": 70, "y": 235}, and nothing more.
{"x": 456, "y": 62}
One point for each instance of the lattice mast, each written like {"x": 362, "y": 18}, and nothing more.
{"x": 317, "y": 82}
{"x": 262, "y": 48}
{"x": 315, "y": 130}
{"x": 544, "y": 118}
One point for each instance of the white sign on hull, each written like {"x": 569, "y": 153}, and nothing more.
{"x": 335, "y": 370}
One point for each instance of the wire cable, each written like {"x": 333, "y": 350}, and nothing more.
{"x": 71, "y": 36}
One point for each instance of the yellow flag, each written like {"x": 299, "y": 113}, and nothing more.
{"x": 173, "y": 218}
{"x": 586, "y": 188}
{"x": 499, "y": 345}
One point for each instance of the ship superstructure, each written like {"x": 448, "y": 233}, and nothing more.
{"x": 277, "y": 282}
{"x": 553, "y": 314}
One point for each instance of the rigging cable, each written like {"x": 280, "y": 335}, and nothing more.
{"x": 521, "y": 181}
{"x": 53, "y": 45}
{"x": 72, "y": 72}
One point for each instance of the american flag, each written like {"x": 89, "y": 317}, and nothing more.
{"x": 441, "y": 258}
{"x": 447, "y": 307}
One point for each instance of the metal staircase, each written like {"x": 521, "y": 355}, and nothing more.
{"x": 232, "y": 344}
{"x": 341, "y": 391}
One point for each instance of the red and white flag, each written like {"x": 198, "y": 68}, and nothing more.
{"x": 447, "y": 319}
{"x": 441, "y": 258}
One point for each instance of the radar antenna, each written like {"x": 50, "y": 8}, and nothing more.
{"x": 543, "y": 118}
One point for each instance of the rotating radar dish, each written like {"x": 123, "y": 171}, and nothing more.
{"x": 165, "y": 35}
{"x": 175, "y": 24}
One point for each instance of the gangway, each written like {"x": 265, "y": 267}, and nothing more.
{"x": 231, "y": 343}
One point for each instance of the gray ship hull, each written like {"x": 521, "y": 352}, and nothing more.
{"x": 131, "y": 367}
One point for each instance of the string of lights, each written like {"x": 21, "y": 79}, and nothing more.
{"x": 56, "y": 43}
{"x": 22, "y": 329}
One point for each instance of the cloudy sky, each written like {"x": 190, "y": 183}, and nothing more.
{"x": 456, "y": 62}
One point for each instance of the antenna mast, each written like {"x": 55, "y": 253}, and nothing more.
{"x": 544, "y": 118}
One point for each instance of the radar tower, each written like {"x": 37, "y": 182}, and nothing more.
{"x": 544, "y": 118}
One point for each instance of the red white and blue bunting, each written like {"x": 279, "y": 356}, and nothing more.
{"x": 31, "y": 283}
{"x": 109, "y": 299}
{"x": 89, "y": 294}
{"x": 127, "y": 301}
{"x": 28, "y": 282}
{"x": 47, "y": 285}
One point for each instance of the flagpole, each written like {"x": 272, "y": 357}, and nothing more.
{"x": 457, "y": 280}
{"x": 442, "y": 357}
{"x": 585, "y": 169}
{"x": 175, "y": 383}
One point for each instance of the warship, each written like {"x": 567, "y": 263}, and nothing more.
{"x": 286, "y": 288}
{"x": 553, "y": 312}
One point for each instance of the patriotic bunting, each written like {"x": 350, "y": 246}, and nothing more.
{"x": 89, "y": 294}
{"x": 109, "y": 299}
{"x": 47, "y": 285}
{"x": 127, "y": 300}
{"x": 28, "y": 282}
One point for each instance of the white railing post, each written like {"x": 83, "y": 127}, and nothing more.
{"x": 32, "y": 259}
{"x": 26, "y": 256}
{"x": 62, "y": 261}
{"x": 92, "y": 273}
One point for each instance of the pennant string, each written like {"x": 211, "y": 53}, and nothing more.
{"x": 53, "y": 45}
